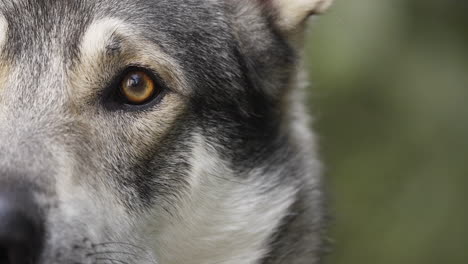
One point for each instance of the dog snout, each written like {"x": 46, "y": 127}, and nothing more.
{"x": 21, "y": 232}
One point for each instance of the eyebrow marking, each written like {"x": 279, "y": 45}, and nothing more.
{"x": 100, "y": 38}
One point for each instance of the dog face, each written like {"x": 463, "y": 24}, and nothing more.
{"x": 146, "y": 131}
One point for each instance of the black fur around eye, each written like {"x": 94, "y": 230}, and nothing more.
{"x": 134, "y": 88}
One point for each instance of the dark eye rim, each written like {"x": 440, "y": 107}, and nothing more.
{"x": 113, "y": 99}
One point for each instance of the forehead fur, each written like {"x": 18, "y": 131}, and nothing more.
{"x": 43, "y": 23}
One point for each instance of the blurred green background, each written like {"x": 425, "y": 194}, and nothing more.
{"x": 389, "y": 92}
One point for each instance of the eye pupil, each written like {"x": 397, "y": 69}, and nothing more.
{"x": 137, "y": 87}
{"x": 135, "y": 83}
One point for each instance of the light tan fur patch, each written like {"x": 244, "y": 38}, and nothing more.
{"x": 3, "y": 31}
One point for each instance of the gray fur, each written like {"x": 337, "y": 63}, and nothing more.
{"x": 221, "y": 170}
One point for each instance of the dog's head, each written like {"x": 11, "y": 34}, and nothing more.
{"x": 146, "y": 131}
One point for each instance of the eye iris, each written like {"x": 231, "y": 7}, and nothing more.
{"x": 137, "y": 87}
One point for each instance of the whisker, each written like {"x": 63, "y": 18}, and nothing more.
{"x": 229, "y": 180}
{"x": 98, "y": 251}
{"x": 118, "y": 243}
{"x": 113, "y": 261}
{"x": 111, "y": 252}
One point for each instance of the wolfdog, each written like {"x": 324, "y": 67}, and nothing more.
{"x": 156, "y": 132}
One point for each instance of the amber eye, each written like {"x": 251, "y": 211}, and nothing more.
{"x": 137, "y": 87}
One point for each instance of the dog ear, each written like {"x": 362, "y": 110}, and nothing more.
{"x": 291, "y": 14}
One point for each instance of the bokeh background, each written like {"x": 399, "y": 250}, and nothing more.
{"x": 390, "y": 96}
